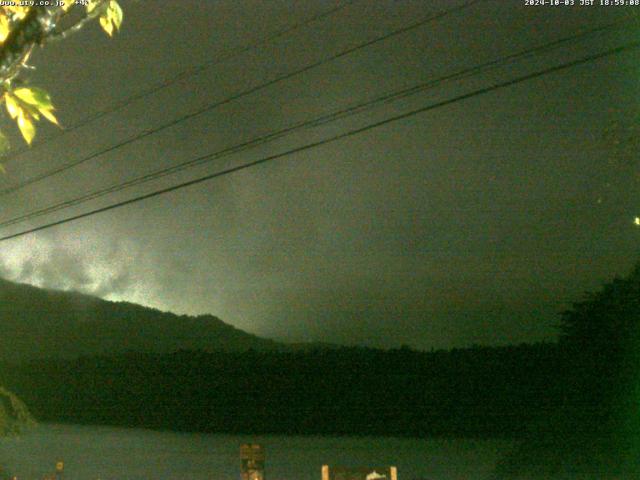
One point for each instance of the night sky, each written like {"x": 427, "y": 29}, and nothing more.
{"x": 473, "y": 223}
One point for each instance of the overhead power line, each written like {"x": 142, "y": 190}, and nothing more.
{"x": 347, "y": 134}
{"x": 317, "y": 121}
{"x": 211, "y": 106}
{"x": 186, "y": 73}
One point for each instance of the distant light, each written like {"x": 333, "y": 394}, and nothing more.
{"x": 636, "y": 221}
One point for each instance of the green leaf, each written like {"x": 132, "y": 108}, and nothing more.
{"x": 48, "y": 114}
{"x": 26, "y": 126}
{"x": 34, "y": 96}
{"x": 91, "y": 6}
{"x": 12, "y": 105}
{"x": 5, "y": 28}
{"x": 115, "y": 14}
{"x": 36, "y": 102}
{"x": 105, "y": 23}
{"x": 111, "y": 19}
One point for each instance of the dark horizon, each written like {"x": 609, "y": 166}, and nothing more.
{"x": 86, "y": 302}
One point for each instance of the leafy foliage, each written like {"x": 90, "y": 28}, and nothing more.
{"x": 601, "y": 334}
{"x": 112, "y": 18}
{"x": 607, "y": 321}
{"x": 24, "y": 104}
{"x": 600, "y": 352}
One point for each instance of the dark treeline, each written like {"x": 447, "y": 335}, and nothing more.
{"x": 480, "y": 391}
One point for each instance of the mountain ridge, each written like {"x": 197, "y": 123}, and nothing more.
{"x": 40, "y": 322}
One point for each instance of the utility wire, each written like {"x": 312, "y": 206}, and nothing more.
{"x": 211, "y": 106}
{"x": 186, "y": 73}
{"x": 318, "y": 121}
{"x": 347, "y": 134}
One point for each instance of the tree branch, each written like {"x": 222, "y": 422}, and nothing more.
{"x": 28, "y": 32}
{"x": 76, "y": 27}
{"x": 38, "y": 26}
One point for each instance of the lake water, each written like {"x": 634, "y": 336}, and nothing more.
{"x": 109, "y": 453}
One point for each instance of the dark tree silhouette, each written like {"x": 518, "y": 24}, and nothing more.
{"x": 607, "y": 320}
{"x": 601, "y": 341}
{"x": 594, "y": 433}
